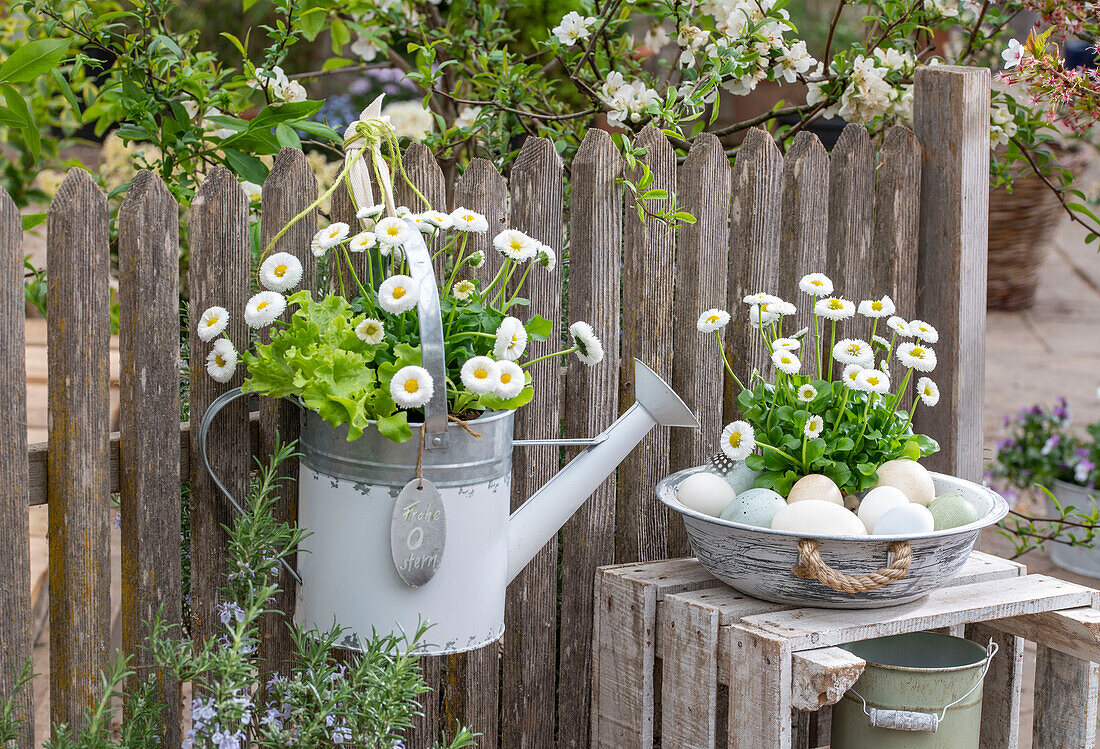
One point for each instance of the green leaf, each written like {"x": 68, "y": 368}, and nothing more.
{"x": 234, "y": 40}
{"x": 31, "y": 220}
{"x": 245, "y": 166}
{"x": 395, "y": 427}
{"x": 755, "y": 462}
{"x": 539, "y": 328}
{"x": 335, "y": 63}
{"x": 340, "y": 34}
{"x": 17, "y": 106}
{"x": 317, "y": 130}
{"x": 33, "y": 59}
{"x": 65, "y": 89}
{"x": 286, "y": 136}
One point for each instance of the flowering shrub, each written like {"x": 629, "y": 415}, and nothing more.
{"x": 354, "y": 357}
{"x": 365, "y": 699}
{"x": 841, "y": 419}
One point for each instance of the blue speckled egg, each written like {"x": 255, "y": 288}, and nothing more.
{"x": 738, "y": 475}
{"x": 754, "y": 507}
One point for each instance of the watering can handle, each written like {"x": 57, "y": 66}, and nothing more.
{"x": 208, "y": 416}
{"x": 431, "y": 336}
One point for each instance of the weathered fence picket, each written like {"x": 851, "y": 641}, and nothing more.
{"x": 78, "y": 338}
{"x": 531, "y": 614}
{"x": 149, "y": 385}
{"x": 905, "y": 220}
{"x": 15, "y": 593}
{"x": 591, "y": 402}
{"x": 220, "y": 272}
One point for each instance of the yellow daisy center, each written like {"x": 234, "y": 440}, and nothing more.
{"x": 712, "y": 318}
{"x": 393, "y": 231}
{"x": 219, "y": 360}
{"x": 835, "y": 304}
{"x": 854, "y": 349}
{"x": 481, "y": 374}
{"x": 505, "y": 378}
{"x": 917, "y": 351}
{"x": 735, "y": 439}
{"x": 467, "y": 217}
{"x": 876, "y": 306}
{"x": 516, "y": 245}
{"x": 398, "y": 292}
{"x": 261, "y": 305}
{"x": 872, "y": 380}
{"x": 212, "y": 321}
{"x": 411, "y": 386}
{"x": 815, "y": 282}
{"x": 280, "y": 271}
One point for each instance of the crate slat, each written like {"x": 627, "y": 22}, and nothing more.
{"x": 1065, "y": 701}
{"x": 1001, "y": 689}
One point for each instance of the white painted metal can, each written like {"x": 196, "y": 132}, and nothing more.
{"x": 346, "y": 498}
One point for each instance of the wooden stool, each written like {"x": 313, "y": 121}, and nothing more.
{"x": 767, "y": 659}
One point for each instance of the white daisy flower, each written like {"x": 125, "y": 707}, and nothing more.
{"x": 547, "y": 258}
{"x": 924, "y": 331}
{"x": 915, "y": 356}
{"x": 738, "y": 440}
{"x": 877, "y": 307}
{"x": 370, "y": 331}
{"x": 816, "y": 285}
{"x": 264, "y": 308}
{"x": 511, "y": 340}
{"x": 221, "y": 362}
{"x": 779, "y": 308}
{"x": 850, "y": 376}
{"x": 477, "y": 259}
{"x": 370, "y": 211}
{"x": 854, "y": 351}
{"x": 814, "y": 426}
{"x": 391, "y": 231}
{"x": 212, "y": 323}
{"x": 758, "y": 319}
{"x": 463, "y": 289}
{"x": 363, "y": 241}
{"x": 280, "y": 272}
{"x": 712, "y": 320}
{"x": 516, "y": 245}
{"x": 590, "y": 349}
{"x": 398, "y": 294}
{"x": 790, "y": 344}
{"x": 885, "y": 367}
{"x": 463, "y": 219}
{"x": 437, "y": 219}
{"x": 761, "y": 298}
{"x": 880, "y": 341}
{"x": 873, "y": 381}
{"x": 411, "y": 387}
{"x": 510, "y": 380}
{"x": 480, "y": 375}
{"x": 807, "y": 393}
{"x": 899, "y": 326}
{"x": 785, "y": 361}
{"x": 834, "y": 308}
{"x": 329, "y": 237}
{"x": 928, "y": 391}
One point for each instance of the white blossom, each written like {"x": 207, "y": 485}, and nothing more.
{"x": 573, "y": 28}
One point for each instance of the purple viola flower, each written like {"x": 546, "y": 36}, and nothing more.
{"x": 1061, "y": 410}
{"x": 1006, "y": 444}
{"x": 1082, "y": 471}
{"x": 1051, "y": 444}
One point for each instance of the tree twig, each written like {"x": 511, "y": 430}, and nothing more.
{"x": 1058, "y": 192}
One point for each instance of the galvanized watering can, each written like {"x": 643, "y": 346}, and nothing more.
{"x": 391, "y": 546}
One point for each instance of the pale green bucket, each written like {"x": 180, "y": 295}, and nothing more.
{"x": 919, "y": 691}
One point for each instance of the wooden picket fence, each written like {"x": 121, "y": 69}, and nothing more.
{"x": 909, "y": 221}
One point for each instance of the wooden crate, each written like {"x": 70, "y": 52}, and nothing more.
{"x": 683, "y": 661}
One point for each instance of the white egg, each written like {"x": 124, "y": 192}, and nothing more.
{"x": 815, "y": 486}
{"x": 816, "y": 517}
{"x": 877, "y": 502}
{"x": 904, "y": 520}
{"x": 706, "y": 493}
{"x": 754, "y": 507}
{"x": 911, "y": 477}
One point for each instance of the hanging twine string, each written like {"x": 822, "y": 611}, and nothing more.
{"x": 363, "y": 137}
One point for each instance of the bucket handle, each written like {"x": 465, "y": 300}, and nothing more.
{"x": 913, "y": 720}
{"x": 812, "y": 567}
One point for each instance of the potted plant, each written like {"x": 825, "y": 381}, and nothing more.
{"x": 819, "y": 480}
{"x": 407, "y": 385}
{"x": 1039, "y": 451}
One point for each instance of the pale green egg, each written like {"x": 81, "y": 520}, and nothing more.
{"x": 754, "y": 507}
{"x": 952, "y": 511}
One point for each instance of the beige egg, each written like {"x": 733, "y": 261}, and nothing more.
{"x": 815, "y": 486}
{"x": 851, "y": 501}
{"x": 911, "y": 477}
{"x": 817, "y": 517}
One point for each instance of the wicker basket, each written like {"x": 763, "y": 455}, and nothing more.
{"x": 1021, "y": 224}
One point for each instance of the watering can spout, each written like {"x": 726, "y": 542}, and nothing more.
{"x": 539, "y": 518}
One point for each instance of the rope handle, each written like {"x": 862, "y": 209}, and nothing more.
{"x": 812, "y": 567}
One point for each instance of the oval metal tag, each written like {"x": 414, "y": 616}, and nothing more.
{"x": 418, "y": 532}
